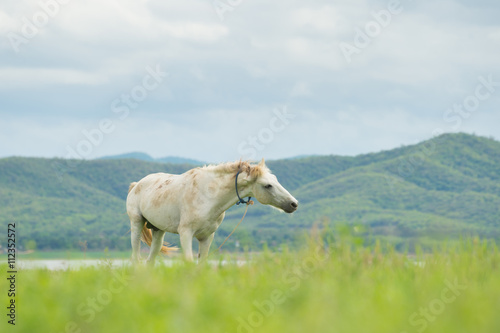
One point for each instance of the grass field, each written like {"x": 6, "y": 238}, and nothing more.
{"x": 337, "y": 288}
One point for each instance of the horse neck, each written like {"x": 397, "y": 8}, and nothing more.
{"x": 226, "y": 194}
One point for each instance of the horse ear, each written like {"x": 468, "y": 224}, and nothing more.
{"x": 262, "y": 163}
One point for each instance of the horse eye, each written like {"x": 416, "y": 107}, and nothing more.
{"x": 268, "y": 186}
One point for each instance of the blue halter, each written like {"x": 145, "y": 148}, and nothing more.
{"x": 241, "y": 201}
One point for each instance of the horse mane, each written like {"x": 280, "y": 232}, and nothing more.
{"x": 255, "y": 171}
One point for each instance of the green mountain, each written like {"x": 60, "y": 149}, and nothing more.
{"x": 438, "y": 189}
{"x": 146, "y": 157}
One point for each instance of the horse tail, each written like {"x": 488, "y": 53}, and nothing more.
{"x": 147, "y": 237}
{"x": 131, "y": 186}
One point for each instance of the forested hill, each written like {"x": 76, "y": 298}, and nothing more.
{"x": 440, "y": 188}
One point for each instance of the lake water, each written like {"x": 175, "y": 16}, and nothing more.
{"x": 57, "y": 264}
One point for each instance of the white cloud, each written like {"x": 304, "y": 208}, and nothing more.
{"x": 132, "y": 21}
{"x": 324, "y": 19}
{"x": 262, "y": 55}
{"x": 24, "y": 77}
{"x": 7, "y": 23}
{"x": 300, "y": 89}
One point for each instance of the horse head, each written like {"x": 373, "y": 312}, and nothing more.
{"x": 268, "y": 191}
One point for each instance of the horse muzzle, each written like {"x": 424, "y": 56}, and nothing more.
{"x": 291, "y": 206}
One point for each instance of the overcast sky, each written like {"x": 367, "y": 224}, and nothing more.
{"x": 220, "y": 80}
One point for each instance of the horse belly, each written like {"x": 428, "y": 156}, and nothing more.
{"x": 165, "y": 218}
{"x": 205, "y": 230}
{"x": 158, "y": 203}
{"x": 207, "y": 227}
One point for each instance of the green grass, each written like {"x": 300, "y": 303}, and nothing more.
{"x": 340, "y": 288}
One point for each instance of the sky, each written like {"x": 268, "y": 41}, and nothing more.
{"x": 229, "y": 79}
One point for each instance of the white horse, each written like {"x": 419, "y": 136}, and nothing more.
{"x": 194, "y": 203}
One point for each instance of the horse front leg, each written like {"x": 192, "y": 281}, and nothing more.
{"x": 186, "y": 236}
{"x": 205, "y": 246}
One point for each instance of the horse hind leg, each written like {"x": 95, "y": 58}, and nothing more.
{"x": 156, "y": 244}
